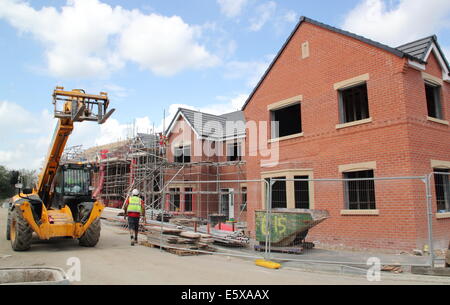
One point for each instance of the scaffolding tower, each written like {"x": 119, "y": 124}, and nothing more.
{"x": 141, "y": 163}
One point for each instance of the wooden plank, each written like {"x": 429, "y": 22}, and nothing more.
{"x": 188, "y": 234}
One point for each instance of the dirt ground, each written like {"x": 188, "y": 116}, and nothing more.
{"x": 114, "y": 261}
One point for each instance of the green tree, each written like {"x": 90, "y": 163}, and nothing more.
{"x": 6, "y": 189}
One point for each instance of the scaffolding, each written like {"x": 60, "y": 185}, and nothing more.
{"x": 141, "y": 163}
{"x": 73, "y": 154}
{"x": 192, "y": 175}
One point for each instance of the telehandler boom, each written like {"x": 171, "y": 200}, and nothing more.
{"x": 61, "y": 203}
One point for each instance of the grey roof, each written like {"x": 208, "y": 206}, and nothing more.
{"x": 419, "y": 48}
{"x": 396, "y": 51}
{"x": 217, "y": 127}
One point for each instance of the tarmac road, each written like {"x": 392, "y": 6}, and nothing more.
{"x": 114, "y": 261}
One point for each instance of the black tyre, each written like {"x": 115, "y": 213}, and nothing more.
{"x": 20, "y": 232}
{"x": 91, "y": 237}
{"x": 8, "y": 226}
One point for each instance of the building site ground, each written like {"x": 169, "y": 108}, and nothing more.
{"x": 114, "y": 261}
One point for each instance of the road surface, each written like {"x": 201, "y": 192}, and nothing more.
{"x": 115, "y": 261}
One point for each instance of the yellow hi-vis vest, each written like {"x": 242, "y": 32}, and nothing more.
{"x": 134, "y": 204}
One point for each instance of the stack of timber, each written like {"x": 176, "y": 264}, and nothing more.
{"x": 178, "y": 241}
{"x": 186, "y": 222}
{"x": 236, "y": 239}
{"x": 112, "y": 213}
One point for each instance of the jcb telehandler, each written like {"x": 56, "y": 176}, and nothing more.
{"x": 61, "y": 203}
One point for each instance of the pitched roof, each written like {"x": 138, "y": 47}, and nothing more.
{"x": 215, "y": 127}
{"x": 418, "y": 48}
{"x": 421, "y": 48}
{"x": 401, "y": 52}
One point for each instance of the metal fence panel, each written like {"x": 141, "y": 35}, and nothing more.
{"x": 330, "y": 221}
{"x": 352, "y": 219}
{"x": 204, "y": 217}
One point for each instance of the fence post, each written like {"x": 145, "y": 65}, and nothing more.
{"x": 163, "y": 202}
{"x": 268, "y": 217}
{"x": 427, "y": 181}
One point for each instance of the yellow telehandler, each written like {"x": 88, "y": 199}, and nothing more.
{"x": 61, "y": 202}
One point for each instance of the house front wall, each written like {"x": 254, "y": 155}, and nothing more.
{"x": 326, "y": 146}
{"x": 429, "y": 140}
{"x": 205, "y": 180}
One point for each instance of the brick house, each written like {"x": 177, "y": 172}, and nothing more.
{"x": 349, "y": 107}
{"x": 205, "y": 147}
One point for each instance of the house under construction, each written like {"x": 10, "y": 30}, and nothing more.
{"x": 170, "y": 175}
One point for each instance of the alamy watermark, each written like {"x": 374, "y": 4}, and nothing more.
{"x": 74, "y": 272}
{"x": 212, "y": 138}
{"x": 374, "y": 272}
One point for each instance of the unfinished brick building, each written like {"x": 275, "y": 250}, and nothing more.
{"x": 204, "y": 147}
{"x": 349, "y": 107}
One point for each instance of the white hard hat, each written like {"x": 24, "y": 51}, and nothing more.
{"x": 135, "y": 192}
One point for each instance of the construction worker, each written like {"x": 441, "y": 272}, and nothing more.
{"x": 134, "y": 208}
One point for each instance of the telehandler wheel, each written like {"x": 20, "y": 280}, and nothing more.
{"x": 8, "y": 226}
{"x": 19, "y": 231}
{"x": 92, "y": 235}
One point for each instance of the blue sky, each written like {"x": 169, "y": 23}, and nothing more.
{"x": 156, "y": 55}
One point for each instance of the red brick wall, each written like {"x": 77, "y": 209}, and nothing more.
{"x": 428, "y": 140}
{"x": 388, "y": 139}
{"x": 204, "y": 204}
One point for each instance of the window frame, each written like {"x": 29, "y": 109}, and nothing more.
{"x": 237, "y": 151}
{"x": 342, "y": 104}
{"x": 243, "y": 199}
{"x": 437, "y": 100}
{"x": 298, "y": 201}
{"x": 188, "y": 192}
{"x": 283, "y": 195}
{"x": 371, "y": 194}
{"x": 183, "y": 157}
{"x": 445, "y": 172}
{"x": 274, "y": 125}
{"x": 174, "y": 191}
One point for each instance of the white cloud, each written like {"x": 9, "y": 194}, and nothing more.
{"x": 163, "y": 45}
{"x": 28, "y": 144}
{"x": 231, "y": 8}
{"x": 251, "y": 71}
{"x": 264, "y": 12}
{"x": 290, "y": 16}
{"x": 87, "y": 38}
{"x": 225, "y": 105}
{"x": 396, "y": 23}
{"x": 24, "y": 136}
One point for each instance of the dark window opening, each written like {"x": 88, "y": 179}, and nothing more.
{"x": 442, "y": 188}
{"x": 301, "y": 193}
{"x": 286, "y": 121}
{"x": 174, "y": 199}
{"x": 360, "y": 194}
{"x": 243, "y": 199}
{"x": 433, "y": 94}
{"x": 188, "y": 199}
{"x": 279, "y": 199}
{"x": 354, "y": 104}
{"x": 234, "y": 152}
{"x": 182, "y": 154}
